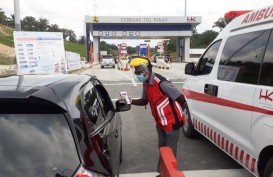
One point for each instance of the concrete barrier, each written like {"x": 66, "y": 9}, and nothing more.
{"x": 168, "y": 165}
{"x": 161, "y": 64}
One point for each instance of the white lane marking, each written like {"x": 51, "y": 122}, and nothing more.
{"x": 198, "y": 173}
{"x": 171, "y": 71}
{"x": 137, "y": 83}
{"x": 132, "y": 79}
{"x": 115, "y": 99}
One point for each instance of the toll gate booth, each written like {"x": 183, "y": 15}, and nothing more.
{"x": 144, "y": 27}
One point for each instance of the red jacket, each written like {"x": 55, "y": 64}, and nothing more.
{"x": 167, "y": 113}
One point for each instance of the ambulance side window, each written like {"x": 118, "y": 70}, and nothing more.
{"x": 207, "y": 61}
{"x": 242, "y": 56}
{"x": 266, "y": 77}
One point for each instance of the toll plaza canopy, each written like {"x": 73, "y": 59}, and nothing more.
{"x": 144, "y": 27}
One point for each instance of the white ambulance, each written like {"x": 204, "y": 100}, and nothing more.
{"x": 229, "y": 96}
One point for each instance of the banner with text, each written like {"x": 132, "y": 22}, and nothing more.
{"x": 40, "y": 52}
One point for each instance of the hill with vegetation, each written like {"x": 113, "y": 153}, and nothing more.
{"x": 6, "y": 39}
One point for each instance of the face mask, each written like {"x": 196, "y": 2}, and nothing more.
{"x": 141, "y": 77}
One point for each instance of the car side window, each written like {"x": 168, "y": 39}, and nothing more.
{"x": 267, "y": 67}
{"x": 97, "y": 103}
{"x": 242, "y": 56}
{"x": 93, "y": 108}
{"x": 207, "y": 61}
{"x": 104, "y": 99}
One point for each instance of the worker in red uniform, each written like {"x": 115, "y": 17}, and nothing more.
{"x": 165, "y": 102}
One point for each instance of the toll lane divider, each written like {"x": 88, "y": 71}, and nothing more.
{"x": 168, "y": 163}
{"x": 161, "y": 64}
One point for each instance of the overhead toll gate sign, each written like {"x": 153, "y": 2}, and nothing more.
{"x": 146, "y": 26}
{"x": 145, "y": 19}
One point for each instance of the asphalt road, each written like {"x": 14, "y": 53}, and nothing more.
{"x": 140, "y": 150}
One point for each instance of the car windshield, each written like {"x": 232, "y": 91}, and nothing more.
{"x": 36, "y": 145}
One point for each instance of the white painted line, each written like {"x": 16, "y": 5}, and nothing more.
{"x": 169, "y": 70}
{"x": 125, "y": 84}
{"x": 115, "y": 99}
{"x": 133, "y": 81}
{"x": 200, "y": 173}
{"x": 138, "y": 83}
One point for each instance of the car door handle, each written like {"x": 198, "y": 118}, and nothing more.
{"x": 211, "y": 89}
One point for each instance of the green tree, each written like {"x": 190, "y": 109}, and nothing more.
{"x": 207, "y": 37}
{"x": 29, "y": 24}
{"x": 72, "y": 36}
{"x": 65, "y": 33}
{"x": 195, "y": 39}
{"x": 221, "y": 23}
{"x": 54, "y": 28}
{"x": 113, "y": 46}
{"x": 194, "y": 31}
{"x": 10, "y": 20}
{"x": 42, "y": 24}
{"x": 132, "y": 50}
{"x": 3, "y": 16}
{"x": 81, "y": 40}
{"x": 202, "y": 40}
{"x": 172, "y": 45}
{"x": 104, "y": 46}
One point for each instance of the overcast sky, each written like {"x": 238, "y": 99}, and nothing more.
{"x": 70, "y": 13}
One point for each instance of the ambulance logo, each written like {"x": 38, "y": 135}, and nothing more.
{"x": 266, "y": 95}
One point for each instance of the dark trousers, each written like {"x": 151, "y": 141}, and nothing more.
{"x": 168, "y": 139}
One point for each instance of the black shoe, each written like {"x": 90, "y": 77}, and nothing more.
{"x": 157, "y": 175}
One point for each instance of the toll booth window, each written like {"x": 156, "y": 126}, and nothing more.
{"x": 267, "y": 67}
{"x": 242, "y": 56}
{"x": 207, "y": 61}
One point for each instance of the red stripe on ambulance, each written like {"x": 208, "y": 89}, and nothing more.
{"x": 226, "y": 145}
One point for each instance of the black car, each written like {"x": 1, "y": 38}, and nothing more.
{"x": 58, "y": 126}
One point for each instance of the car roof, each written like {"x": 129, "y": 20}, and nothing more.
{"x": 53, "y": 90}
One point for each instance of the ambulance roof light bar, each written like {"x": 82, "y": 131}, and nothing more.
{"x": 234, "y": 14}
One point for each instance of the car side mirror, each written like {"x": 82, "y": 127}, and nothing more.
{"x": 121, "y": 106}
{"x": 189, "y": 69}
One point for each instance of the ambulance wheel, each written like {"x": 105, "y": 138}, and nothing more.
{"x": 188, "y": 128}
{"x": 268, "y": 171}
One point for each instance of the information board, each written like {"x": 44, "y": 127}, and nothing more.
{"x": 40, "y": 52}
